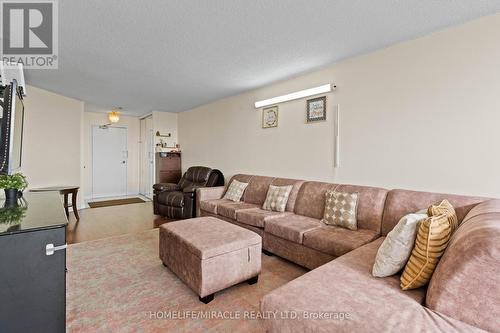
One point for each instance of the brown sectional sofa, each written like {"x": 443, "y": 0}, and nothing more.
{"x": 297, "y": 234}
{"x": 463, "y": 296}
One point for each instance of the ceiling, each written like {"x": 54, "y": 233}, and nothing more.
{"x": 171, "y": 55}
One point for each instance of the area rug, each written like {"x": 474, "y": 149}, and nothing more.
{"x": 119, "y": 284}
{"x": 116, "y": 202}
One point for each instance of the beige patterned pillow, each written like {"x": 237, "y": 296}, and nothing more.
{"x": 235, "y": 190}
{"x": 341, "y": 209}
{"x": 277, "y": 197}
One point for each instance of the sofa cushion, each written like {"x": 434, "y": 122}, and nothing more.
{"x": 257, "y": 217}
{"x": 174, "y": 199}
{"x": 337, "y": 241}
{"x": 432, "y": 239}
{"x": 257, "y": 190}
{"x": 291, "y": 227}
{"x": 295, "y": 252}
{"x": 258, "y": 185}
{"x": 311, "y": 202}
{"x": 311, "y": 199}
{"x": 229, "y": 209}
{"x": 258, "y": 231}
{"x": 211, "y": 205}
{"x": 466, "y": 283}
{"x": 402, "y": 202}
{"x": 346, "y": 286}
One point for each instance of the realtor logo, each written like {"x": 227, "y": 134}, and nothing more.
{"x": 29, "y": 33}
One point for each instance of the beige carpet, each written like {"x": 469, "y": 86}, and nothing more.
{"x": 119, "y": 284}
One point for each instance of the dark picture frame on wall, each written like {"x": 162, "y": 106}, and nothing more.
{"x": 316, "y": 109}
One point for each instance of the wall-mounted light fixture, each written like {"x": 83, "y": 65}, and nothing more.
{"x": 296, "y": 95}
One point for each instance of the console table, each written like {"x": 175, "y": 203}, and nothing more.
{"x": 64, "y": 191}
{"x": 33, "y": 264}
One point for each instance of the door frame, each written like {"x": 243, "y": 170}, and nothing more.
{"x": 143, "y": 155}
{"x": 93, "y": 162}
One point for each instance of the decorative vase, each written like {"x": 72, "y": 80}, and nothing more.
{"x": 11, "y": 195}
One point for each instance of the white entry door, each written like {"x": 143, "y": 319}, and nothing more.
{"x": 109, "y": 161}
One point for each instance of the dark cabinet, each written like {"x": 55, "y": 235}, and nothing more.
{"x": 33, "y": 268}
{"x": 168, "y": 167}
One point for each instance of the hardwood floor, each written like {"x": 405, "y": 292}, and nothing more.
{"x": 97, "y": 223}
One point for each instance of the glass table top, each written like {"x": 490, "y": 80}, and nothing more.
{"x": 34, "y": 211}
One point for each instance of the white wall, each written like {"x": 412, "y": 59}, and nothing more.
{"x": 424, "y": 114}
{"x": 133, "y": 136}
{"x": 57, "y": 141}
{"x": 51, "y": 139}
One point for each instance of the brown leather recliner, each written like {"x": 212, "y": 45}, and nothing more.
{"x": 177, "y": 201}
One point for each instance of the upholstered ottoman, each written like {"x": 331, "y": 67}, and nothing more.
{"x": 209, "y": 254}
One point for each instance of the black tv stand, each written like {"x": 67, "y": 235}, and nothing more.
{"x": 33, "y": 265}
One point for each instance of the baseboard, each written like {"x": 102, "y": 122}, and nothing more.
{"x": 79, "y": 206}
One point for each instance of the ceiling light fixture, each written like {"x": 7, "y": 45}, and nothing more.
{"x": 113, "y": 117}
{"x": 295, "y": 95}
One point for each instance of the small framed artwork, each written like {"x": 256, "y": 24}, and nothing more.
{"x": 270, "y": 117}
{"x": 316, "y": 109}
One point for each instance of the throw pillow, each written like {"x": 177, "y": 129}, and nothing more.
{"x": 235, "y": 190}
{"x": 432, "y": 239}
{"x": 341, "y": 209}
{"x": 446, "y": 208}
{"x": 277, "y": 197}
{"x": 396, "y": 248}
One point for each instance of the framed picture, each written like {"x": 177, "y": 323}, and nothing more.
{"x": 270, "y": 117}
{"x": 316, "y": 109}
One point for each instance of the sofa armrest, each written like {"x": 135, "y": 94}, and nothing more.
{"x": 162, "y": 187}
{"x": 191, "y": 189}
{"x": 207, "y": 193}
{"x": 468, "y": 270}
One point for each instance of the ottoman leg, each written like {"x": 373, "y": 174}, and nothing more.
{"x": 253, "y": 280}
{"x": 267, "y": 253}
{"x": 207, "y": 299}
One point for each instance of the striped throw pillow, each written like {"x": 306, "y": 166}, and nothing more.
{"x": 432, "y": 239}
{"x": 446, "y": 208}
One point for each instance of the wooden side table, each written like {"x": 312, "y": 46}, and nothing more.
{"x": 65, "y": 191}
